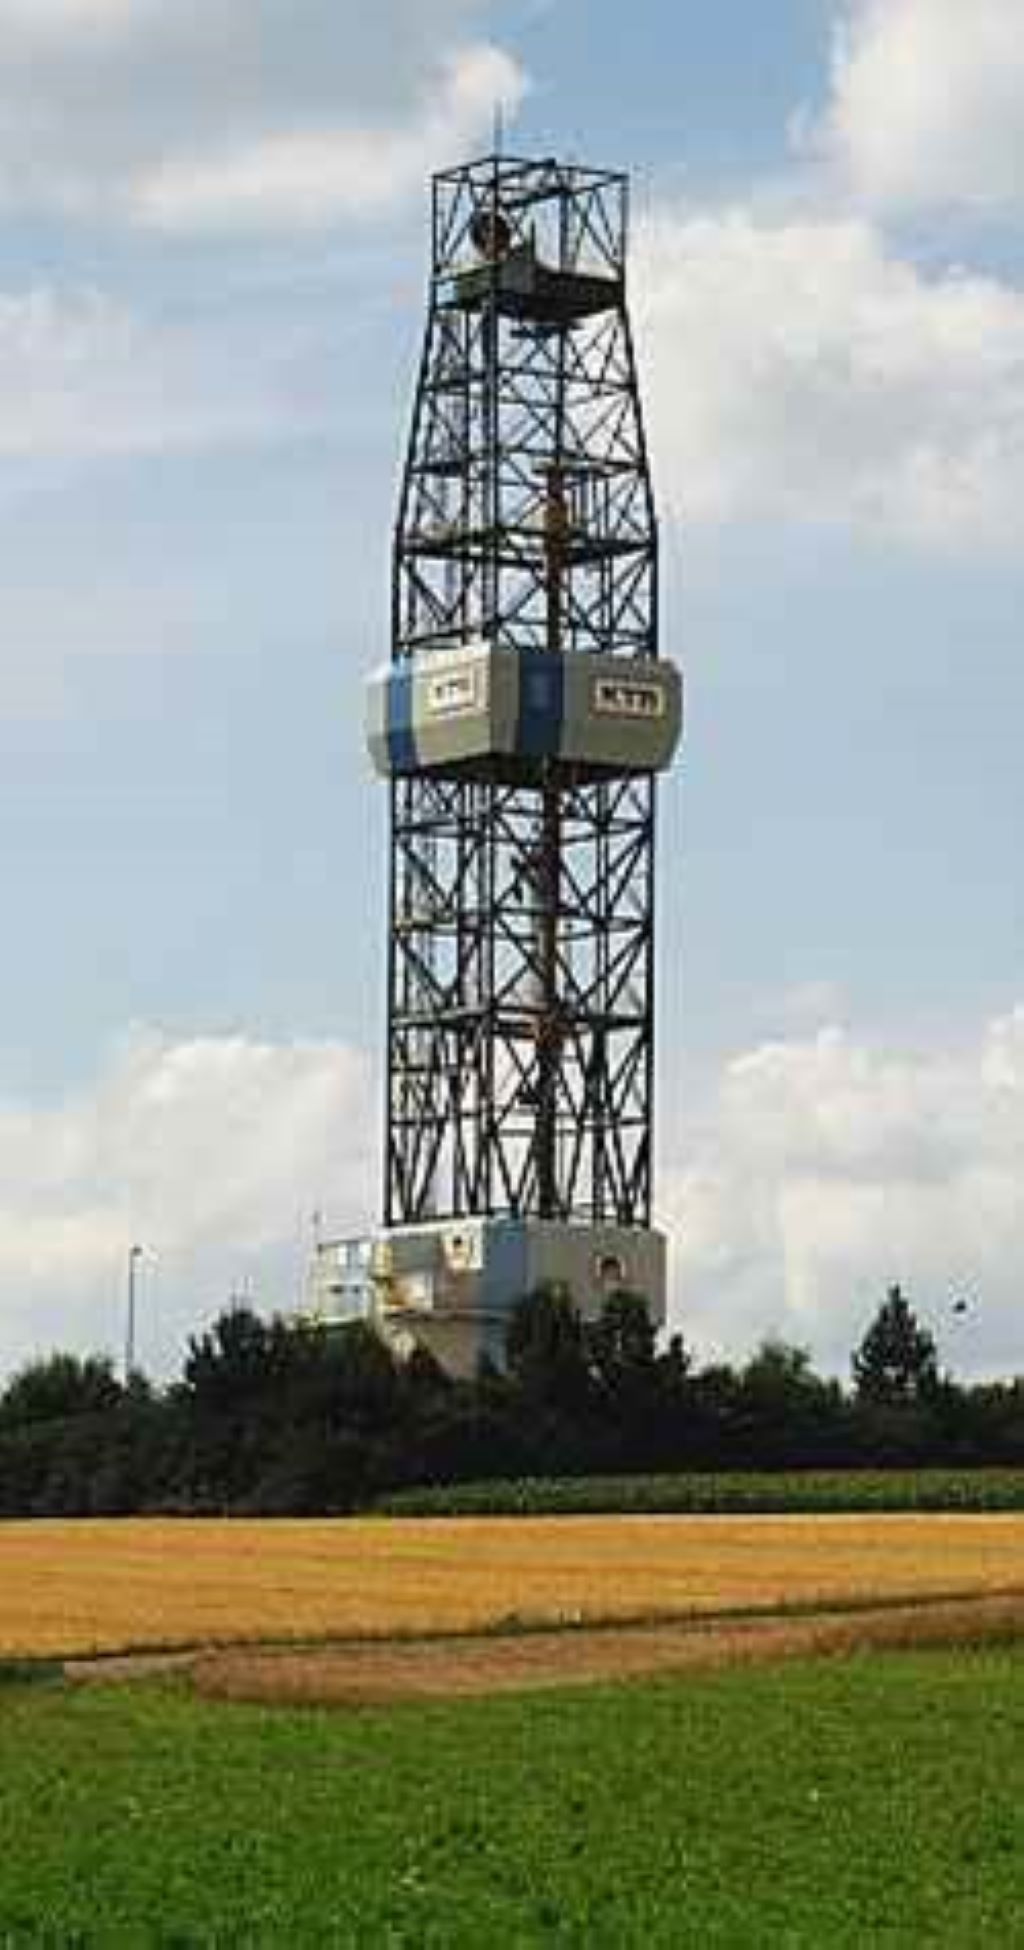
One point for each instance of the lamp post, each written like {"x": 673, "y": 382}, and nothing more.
{"x": 134, "y": 1256}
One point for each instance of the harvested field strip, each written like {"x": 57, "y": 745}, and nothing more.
{"x": 77, "y": 1588}
{"x": 101, "y": 1668}
{"x": 368, "y": 1674}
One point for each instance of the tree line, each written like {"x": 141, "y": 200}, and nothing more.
{"x": 270, "y": 1417}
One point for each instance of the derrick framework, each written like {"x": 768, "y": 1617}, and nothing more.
{"x": 521, "y": 724}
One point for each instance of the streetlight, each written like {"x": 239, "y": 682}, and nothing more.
{"x": 134, "y": 1256}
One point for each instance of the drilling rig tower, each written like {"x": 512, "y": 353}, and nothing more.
{"x": 521, "y": 723}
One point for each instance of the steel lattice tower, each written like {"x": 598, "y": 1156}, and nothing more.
{"x": 521, "y": 723}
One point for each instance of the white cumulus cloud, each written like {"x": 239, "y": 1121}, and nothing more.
{"x": 310, "y": 177}
{"x": 800, "y": 368}
{"x": 820, "y": 1171}
{"x": 213, "y": 1153}
{"x": 807, "y": 1177}
{"x": 927, "y": 103}
{"x": 81, "y": 373}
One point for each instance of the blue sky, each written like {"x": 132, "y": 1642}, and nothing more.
{"x": 210, "y": 305}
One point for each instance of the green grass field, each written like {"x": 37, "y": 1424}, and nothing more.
{"x": 873, "y": 1801}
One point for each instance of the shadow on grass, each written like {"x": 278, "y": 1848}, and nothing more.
{"x": 31, "y": 1672}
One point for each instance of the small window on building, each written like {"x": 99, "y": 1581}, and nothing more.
{"x": 611, "y": 1270}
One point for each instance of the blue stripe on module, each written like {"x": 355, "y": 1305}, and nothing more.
{"x": 401, "y": 739}
{"x": 508, "y": 1262}
{"x": 541, "y": 704}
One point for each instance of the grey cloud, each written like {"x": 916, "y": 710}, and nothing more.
{"x": 83, "y": 374}
{"x": 94, "y": 110}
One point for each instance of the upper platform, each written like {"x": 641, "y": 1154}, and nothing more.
{"x": 524, "y": 288}
{"x": 544, "y": 241}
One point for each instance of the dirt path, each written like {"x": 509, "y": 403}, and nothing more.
{"x": 360, "y": 1673}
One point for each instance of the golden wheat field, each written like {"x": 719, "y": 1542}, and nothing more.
{"x": 79, "y": 1587}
